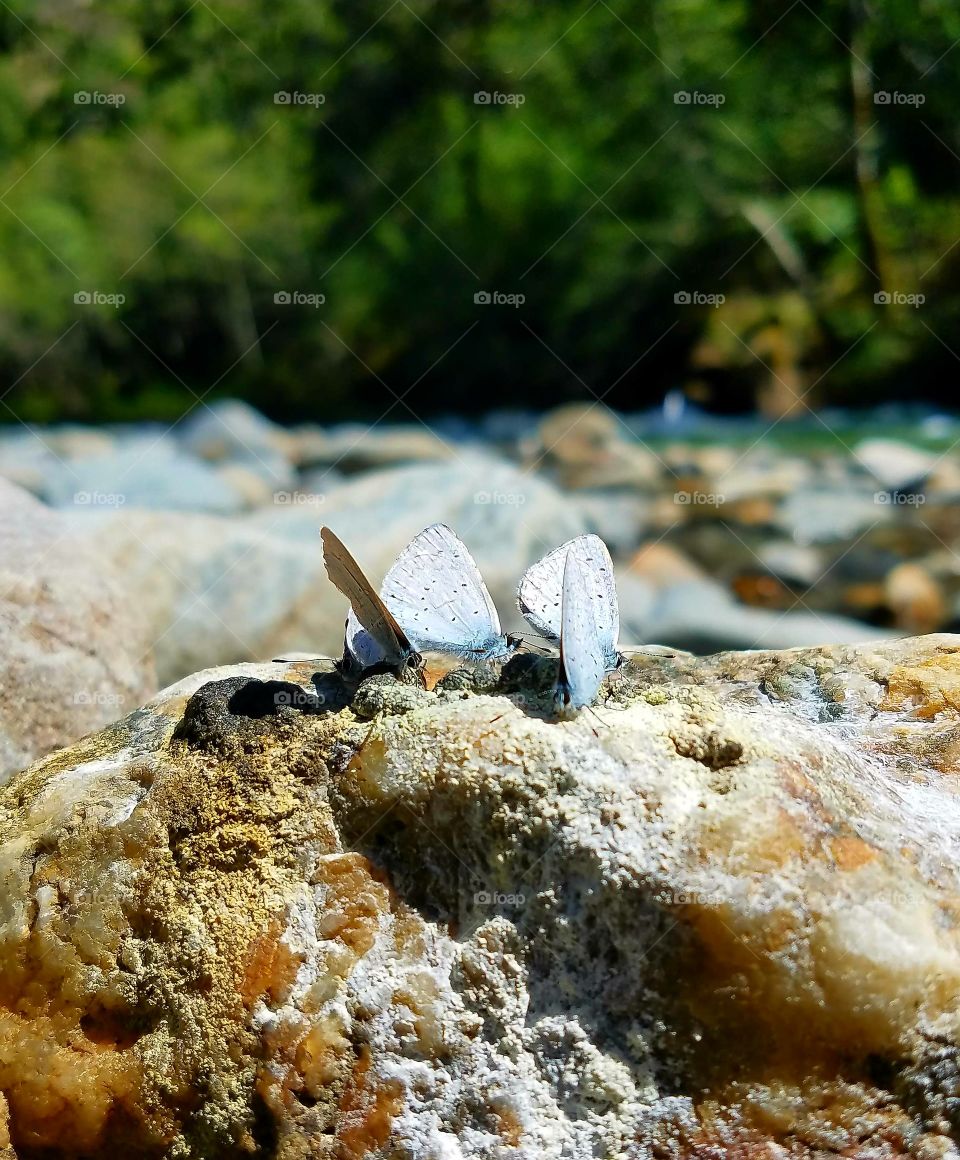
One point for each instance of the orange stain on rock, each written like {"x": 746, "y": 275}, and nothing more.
{"x": 367, "y": 1111}
{"x": 849, "y": 853}
{"x": 270, "y": 966}
{"x": 356, "y": 902}
{"x": 928, "y": 688}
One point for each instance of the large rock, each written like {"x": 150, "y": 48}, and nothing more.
{"x": 75, "y": 651}
{"x": 717, "y": 917}
{"x": 219, "y": 590}
{"x": 231, "y": 431}
{"x": 142, "y": 474}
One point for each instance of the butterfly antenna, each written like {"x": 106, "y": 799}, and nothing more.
{"x": 593, "y": 713}
{"x": 487, "y": 732}
{"x": 363, "y": 743}
{"x": 534, "y": 644}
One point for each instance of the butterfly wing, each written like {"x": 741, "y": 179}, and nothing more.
{"x": 582, "y": 661}
{"x": 435, "y": 590}
{"x": 597, "y": 569}
{"x": 540, "y": 595}
{"x": 373, "y": 635}
{"x": 360, "y": 646}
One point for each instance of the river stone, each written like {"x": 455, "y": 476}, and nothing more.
{"x": 231, "y": 431}
{"x": 354, "y": 447}
{"x": 141, "y": 475}
{"x": 718, "y": 916}
{"x": 895, "y": 465}
{"x": 218, "y": 590}
{"x": 75, "y": 651}
{"x": 815, "y": 515}
{"x": 702, "y": 616}
{"x": 25, "y": 458}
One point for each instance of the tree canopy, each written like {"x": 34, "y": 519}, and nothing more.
{"x": 750, "y": 201}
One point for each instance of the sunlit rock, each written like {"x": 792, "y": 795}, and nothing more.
{"x": 717, "y": 915}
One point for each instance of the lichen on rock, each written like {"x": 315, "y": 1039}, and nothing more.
{"x": 270, "y": 915}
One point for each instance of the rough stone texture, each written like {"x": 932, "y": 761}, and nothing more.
{"x": 75, "y": 652}
{"x": 717, "y": 916}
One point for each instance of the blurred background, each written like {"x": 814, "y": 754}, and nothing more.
{"x": 681, "y": 272}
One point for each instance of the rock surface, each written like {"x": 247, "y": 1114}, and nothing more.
{"x": 75, "y": 651}
{"x": 717, "y": 917}
{"x": 145, "y": 475}
{"x": 219, "y": 590}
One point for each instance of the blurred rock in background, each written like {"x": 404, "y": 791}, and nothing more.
{"x": 204, "y": 534}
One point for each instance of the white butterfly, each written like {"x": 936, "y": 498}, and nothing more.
{"x": 570, "y": 597}
{"x": 435, "y": 590}
{"x": 433, "y": 598}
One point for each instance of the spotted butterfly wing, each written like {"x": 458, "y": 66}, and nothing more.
{"x": 582, "y": 644}
{"x": 540, "y": 595}
{"x": 435, "y": 590}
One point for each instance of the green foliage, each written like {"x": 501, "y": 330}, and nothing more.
{"x": 398, "y": 198}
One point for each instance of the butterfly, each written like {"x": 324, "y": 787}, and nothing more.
{"x": 570, "y": 597}
{"x": 435, "y": 590}
{"x": 373, "y": 638}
